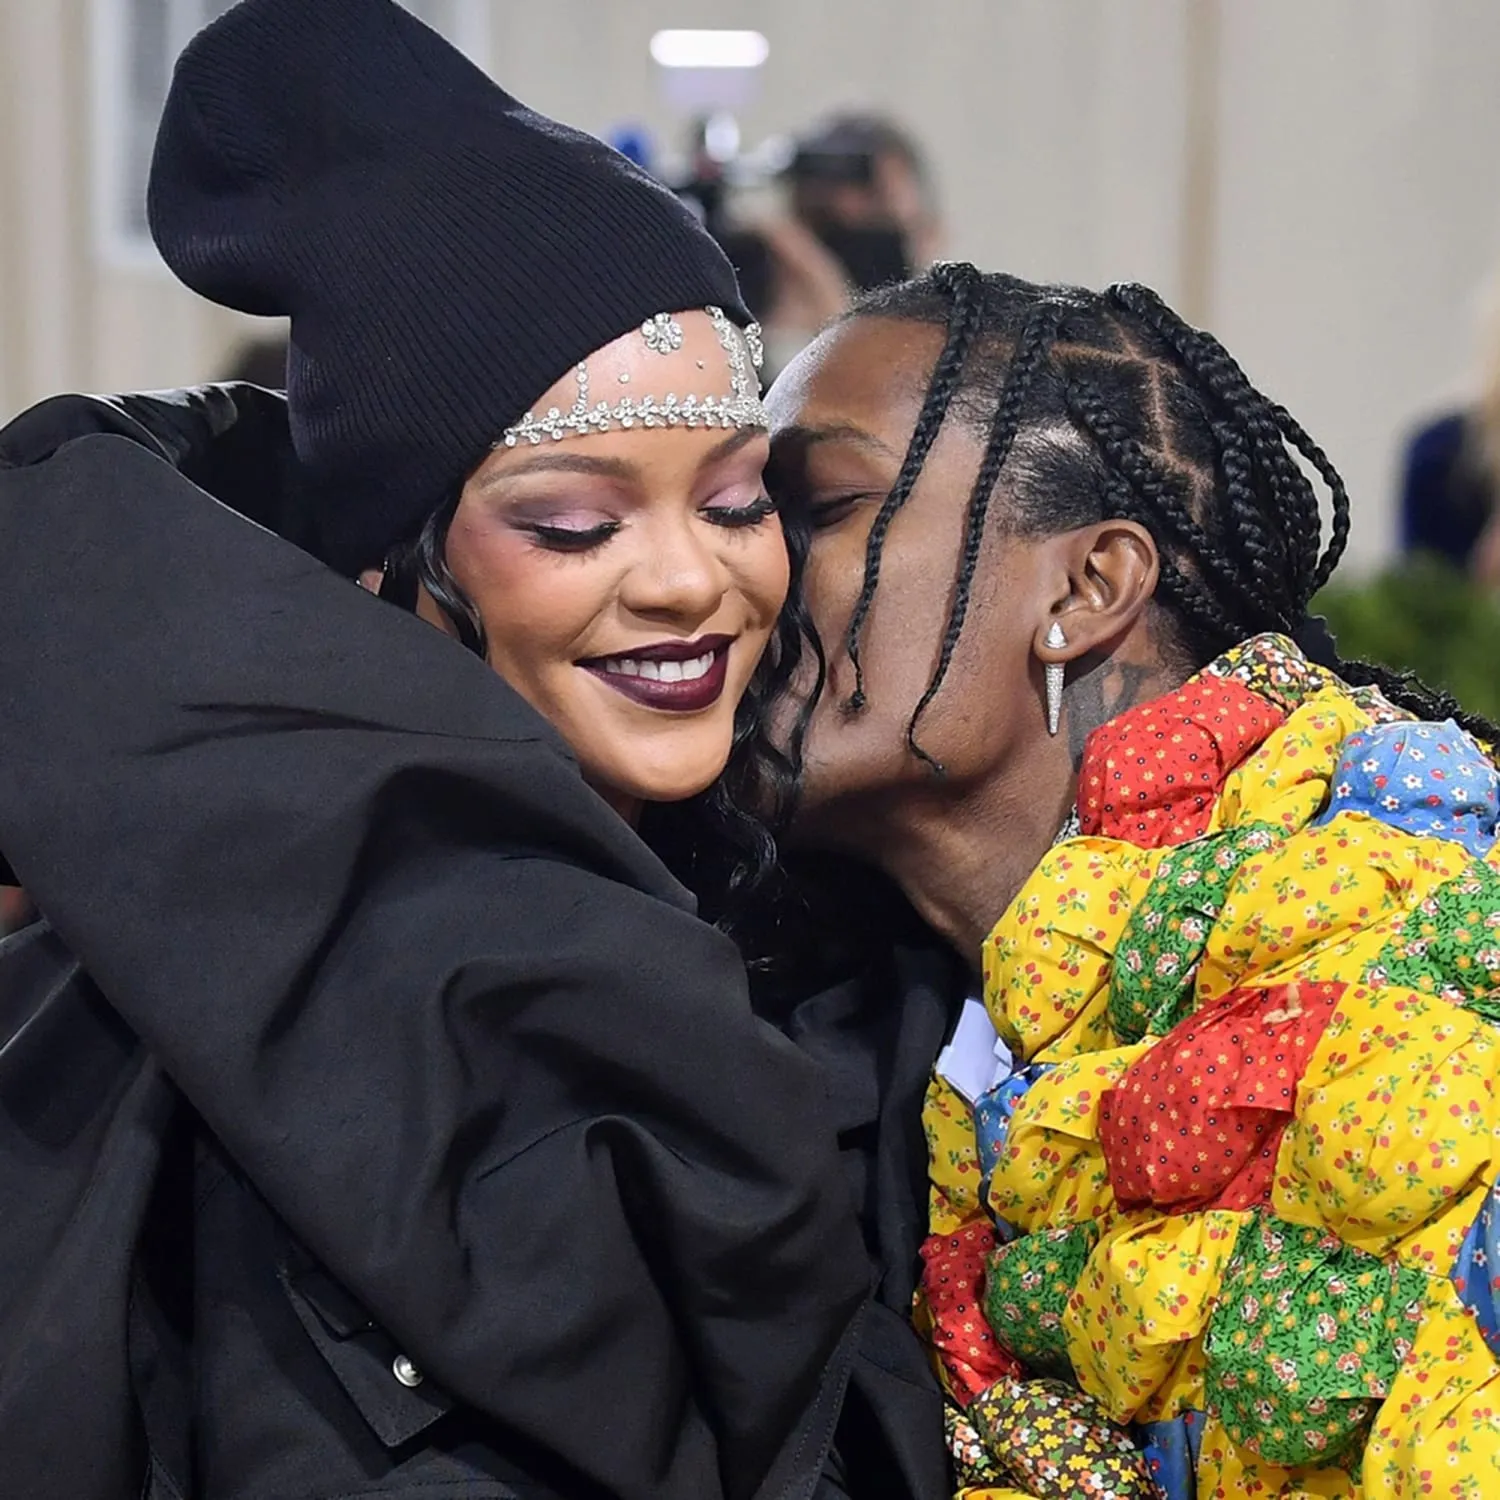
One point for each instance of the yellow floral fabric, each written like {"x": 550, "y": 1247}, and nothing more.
{"x": 1322, "y": 1321}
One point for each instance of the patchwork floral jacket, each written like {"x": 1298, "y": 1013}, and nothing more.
{"x": 1228, "y": 1224}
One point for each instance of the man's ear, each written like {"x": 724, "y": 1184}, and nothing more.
{"x": 1100, "y": 579}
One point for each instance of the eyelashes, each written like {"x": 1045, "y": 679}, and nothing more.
{"x": 741, "y": 515}
{"x": 573, "y": 539}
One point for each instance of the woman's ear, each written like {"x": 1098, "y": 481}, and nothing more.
{"x": 371, "y": 578}
{"x": 1101, "y": 578}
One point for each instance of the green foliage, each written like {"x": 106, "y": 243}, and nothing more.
{"x": 1423, "y": 616}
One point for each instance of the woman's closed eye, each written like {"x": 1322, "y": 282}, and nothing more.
{"x": 563, "y": 535}
{"x": 749, "y": 513}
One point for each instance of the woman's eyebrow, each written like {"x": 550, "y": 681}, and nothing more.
{"x": 611, "y": 467}
{"x": 732, "y": 444}
{"x": 571, "y": 463}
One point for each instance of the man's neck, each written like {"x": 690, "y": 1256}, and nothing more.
{"x": 962, "y": 858}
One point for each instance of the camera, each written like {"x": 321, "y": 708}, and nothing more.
{"x": 832, "y": 181}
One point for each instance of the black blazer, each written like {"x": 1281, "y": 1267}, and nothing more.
{"x": 375, "y": 1115}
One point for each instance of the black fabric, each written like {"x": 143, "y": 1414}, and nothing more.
{"x": 430, "y": 997}
{"x": 444, "y": 254}
{"x": 231, "y": 440}
{"x": 868, "y": 993}
{"x": 83, "y": 1113}
{"x": 871, "y": 994}
{"x": 1316, "y": 642}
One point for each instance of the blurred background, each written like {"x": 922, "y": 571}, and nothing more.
{"x": 1314, "y": 180}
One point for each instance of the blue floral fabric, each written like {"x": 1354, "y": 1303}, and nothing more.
{"x": 1423, "y": 778}
{"x": 1172, "y": 1450}
{"x": 992, "y": 1116}
{"x": 1476, "y": 1272}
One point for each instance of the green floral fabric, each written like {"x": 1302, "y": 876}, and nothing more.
{"x": 1305, "y": 1339}
{"x": 1026, "y": 1290}
{"x": 1151, "y": 984}
{"x": 1450, "y": 944}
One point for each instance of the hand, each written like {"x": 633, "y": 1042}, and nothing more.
{"x": 811, "y": 288}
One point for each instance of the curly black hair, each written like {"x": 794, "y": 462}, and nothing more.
{"x": 1100, "y": 404}
{"x": 721, "y": 844}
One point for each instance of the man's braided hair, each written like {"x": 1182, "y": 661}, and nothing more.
{"x": 1106, "y": 404}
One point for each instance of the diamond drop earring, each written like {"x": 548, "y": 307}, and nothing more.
{"x": 1056, "y": 640}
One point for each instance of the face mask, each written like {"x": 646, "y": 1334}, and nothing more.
{"x": 870, "y": 257}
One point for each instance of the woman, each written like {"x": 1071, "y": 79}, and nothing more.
{"x": 378, "y": 1117}
{"x": 1212, "y": 1166}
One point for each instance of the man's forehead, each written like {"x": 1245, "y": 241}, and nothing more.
{"x": 875, "y": 368}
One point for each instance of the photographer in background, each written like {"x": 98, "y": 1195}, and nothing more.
{"x": 860, "y": 213}
{"x": 861, "y": 185}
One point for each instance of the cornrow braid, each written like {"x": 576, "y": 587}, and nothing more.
{"x": 962, "y": 283}
{"x": 1109, "y": 404}
{"x": 1406, "y": 690}
{"x": 1031, "y": 348}
{"x": 1252, "y": 460}
{"x": 1162, "y": 497}
{"x": 1268, "y": 425}
{"x": 1338, "y": 538}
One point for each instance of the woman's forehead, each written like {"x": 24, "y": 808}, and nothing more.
{"x": 693, "y": 370}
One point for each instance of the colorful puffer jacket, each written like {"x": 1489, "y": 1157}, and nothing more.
{"x": 1227, "y": 1224}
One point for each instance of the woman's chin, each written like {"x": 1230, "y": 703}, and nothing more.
{"x": 659, "y": 781}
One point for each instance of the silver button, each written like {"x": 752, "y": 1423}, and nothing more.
{"x": 405, "y": 1371}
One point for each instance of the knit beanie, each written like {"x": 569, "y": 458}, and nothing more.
{"x": 444, "y": 254}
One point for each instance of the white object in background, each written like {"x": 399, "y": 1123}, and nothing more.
{"x": 709, "y": 49}
{"x": 709, "y": 72}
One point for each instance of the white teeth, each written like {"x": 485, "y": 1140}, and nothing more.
{"x": 661, "y": 671}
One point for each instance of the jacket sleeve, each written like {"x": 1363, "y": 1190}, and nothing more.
{"x": 447, "y": 1013}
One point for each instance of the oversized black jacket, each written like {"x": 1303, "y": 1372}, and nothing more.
{"x": 375, "y": 1115}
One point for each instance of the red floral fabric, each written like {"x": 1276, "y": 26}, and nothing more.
{"x": 1196, "y": 1121}
{"x": 953, "y": 1267}
{"x": 1152, "y": 775}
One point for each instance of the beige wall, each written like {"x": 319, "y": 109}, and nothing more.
{"x": 1312, "y": 178}
{"x": 67, "y": 321}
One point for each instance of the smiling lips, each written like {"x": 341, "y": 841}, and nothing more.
{"x": 678, "y": 676}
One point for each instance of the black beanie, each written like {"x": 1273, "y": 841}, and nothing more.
{"x": 444, "y": 254}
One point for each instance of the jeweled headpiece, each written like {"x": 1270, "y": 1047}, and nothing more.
{"x": 662, "y": 334}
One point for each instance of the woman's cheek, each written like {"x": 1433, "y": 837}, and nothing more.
{"x": 769, "y": 576}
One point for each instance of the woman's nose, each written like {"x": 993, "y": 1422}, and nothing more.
{"x": 680, "y": 575}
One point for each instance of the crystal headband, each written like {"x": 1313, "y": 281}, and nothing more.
{"x": 662, "y": 335}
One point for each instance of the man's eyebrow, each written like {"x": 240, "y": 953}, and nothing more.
{"x": 835, "y": 432}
